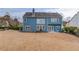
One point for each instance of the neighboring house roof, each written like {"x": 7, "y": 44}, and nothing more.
{"x": 42, "y": 14}
{"x": 74, "y": 21}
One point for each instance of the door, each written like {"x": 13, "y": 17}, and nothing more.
{"x": 40, "y": 28}
{"x": 50, "y": 28}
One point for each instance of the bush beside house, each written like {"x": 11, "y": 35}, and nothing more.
{"x": 71, "y": 30}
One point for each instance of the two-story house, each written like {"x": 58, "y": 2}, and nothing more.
{"x": 42, "y": 21}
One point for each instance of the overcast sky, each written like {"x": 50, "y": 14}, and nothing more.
{"x": 18, "y": 12}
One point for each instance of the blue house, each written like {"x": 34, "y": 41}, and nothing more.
{"x": 42, "y": 22}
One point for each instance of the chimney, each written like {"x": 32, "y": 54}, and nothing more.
{"x": 33, "y": 12}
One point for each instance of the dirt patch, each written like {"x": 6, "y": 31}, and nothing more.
{"x": 23, "y": 41}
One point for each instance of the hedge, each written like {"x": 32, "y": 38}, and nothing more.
{"x": 71, "y": 30}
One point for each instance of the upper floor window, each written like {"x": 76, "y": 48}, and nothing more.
{"x": 54, "y": 20}
{"x": 40, "y": 21}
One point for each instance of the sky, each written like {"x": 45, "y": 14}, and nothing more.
{"x": 19, "y": 12}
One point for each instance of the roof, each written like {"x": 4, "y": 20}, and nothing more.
{"x": 74, "y": 22}
{"x": 42, "y": 14}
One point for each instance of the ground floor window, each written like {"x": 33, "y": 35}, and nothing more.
{"x": 28, "y": 28}
{"x": 53, "y": 28}
{"x": 57, "y": 28}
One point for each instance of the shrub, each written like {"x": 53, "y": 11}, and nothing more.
{"x": 12, "y": 27}
{"x": 15, "y": 27}
{"x": 70, "y": 30}
{"x": 1, "y": 27}
{"x": 77, "y": 32}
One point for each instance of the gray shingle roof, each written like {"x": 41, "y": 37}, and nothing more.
{"x": 42, "y": 14}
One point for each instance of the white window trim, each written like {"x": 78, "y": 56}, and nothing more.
{"x": 27, "y": 27}
{"x": 40, "y": 21}
{"x": 54, "y": 20}
{"x": 51, "y": 28}
{"x": 38, "y": 27}
{"x": 57, "y": 27}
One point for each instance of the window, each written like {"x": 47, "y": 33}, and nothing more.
{"x": 57, "y": 28}
{"x": 28, "y": 28}
{"x": 40, "y": 21}
{"x": 54, "y": 19}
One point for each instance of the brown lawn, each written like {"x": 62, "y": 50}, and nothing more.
{"x": 19, "y": 41}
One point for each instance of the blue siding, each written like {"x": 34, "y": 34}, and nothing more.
{"x": 58, "y": 22}
{"x": 48, "y": 20}
{"x": 54, "y": 24}
{"x": 32, "y": 22}
{"x": 45, "y": 24}
{"x": 57, "y": 29}
{"x": 24, "y": 24}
